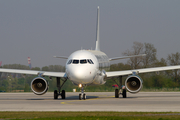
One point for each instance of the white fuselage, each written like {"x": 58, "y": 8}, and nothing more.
{"x": 87, "y": 67}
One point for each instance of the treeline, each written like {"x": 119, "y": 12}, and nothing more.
{"x": 164, "y": 79}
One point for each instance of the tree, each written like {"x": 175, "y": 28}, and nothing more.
{"x": 46, "y": 68}
{"x": 137, "y": 49}
{"x": 174, "y": 59}
{"x": 119, "y": 66}
{"x": 54, "y": 68}
{"x": 36, "y": 68}
{"x": 160, "y": 63}
{"x": 150, "y": 52}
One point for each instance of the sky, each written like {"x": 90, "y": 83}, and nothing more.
{"x": 41, "y": 29}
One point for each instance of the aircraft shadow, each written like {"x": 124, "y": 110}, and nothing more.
{"x": 77, "y": 97}
{"x": 59, "y": 98}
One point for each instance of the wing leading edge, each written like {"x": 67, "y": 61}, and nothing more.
{"x": 137, "y": 71}
{"x": 32, "y": 72}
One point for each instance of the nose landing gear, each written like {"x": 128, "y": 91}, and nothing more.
{"x": 82, "y": 95}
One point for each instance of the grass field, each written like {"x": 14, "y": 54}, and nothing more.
{"x": 89, "y": 116}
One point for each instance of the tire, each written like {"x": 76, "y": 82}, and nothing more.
{"x": 80, "y": 97}
{"x": 55, "y": 94}
{"x": 116, "y": 93}
{"x": 84, "y": 96}
{"x": 124, "y": 93}
{"x": 63, "y": 94}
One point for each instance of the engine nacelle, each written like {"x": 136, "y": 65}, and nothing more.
{"x": 133, "y": 84}
{"x": 39, "y": 85}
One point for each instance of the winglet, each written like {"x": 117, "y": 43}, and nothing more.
{"x": 97, "y": 31}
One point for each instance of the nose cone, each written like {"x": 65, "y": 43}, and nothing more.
{"x": 81, "y": 74}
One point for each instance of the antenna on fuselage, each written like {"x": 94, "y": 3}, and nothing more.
{"x": 97, "y": 31}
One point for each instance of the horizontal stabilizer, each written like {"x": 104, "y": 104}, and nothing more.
{"x": 124, "y": 57}
{"x": 63, "y": 57}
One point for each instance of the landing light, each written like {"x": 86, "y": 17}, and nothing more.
{"x": 80, "y": 85}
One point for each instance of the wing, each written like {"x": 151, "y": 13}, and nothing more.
{"x": 32, "y": 72}
{"x": 137, "y": 71}
{"x": 124, "y": 57}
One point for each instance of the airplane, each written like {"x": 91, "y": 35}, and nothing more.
{"x": 89, "y": 67}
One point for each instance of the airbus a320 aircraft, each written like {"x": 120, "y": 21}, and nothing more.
{"x": 88, "y": 67}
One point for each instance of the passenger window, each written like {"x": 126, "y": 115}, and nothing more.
{"x": 83, "y": 61}
{"x": 75, "y": 61}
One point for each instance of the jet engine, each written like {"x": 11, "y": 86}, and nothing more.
{"x": 39, "y": 85}
{"x": 133, "y": 84}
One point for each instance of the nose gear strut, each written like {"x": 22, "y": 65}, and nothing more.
{"x": 82, "y": 95}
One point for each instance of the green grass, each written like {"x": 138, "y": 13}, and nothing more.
{"x": 90, "y": 115}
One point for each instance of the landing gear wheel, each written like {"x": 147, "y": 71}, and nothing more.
{"x": 116, "y": 93}
{"x": 124, "y": 93}
{"x": 63, "y": 94}
{"x": 80, "y": 97}
{"x": 55, "y": 94}
{"x": 84, "y": 96}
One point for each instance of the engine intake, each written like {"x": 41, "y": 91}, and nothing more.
{"x": 39, "y": 86}
{"x": 133, "y": 84}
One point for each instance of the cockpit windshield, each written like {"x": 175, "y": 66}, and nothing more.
{"x": 75, "y": 61}
{"x": 82, "y": 61}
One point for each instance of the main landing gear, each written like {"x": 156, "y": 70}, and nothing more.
{"x": 118, "y": 92}
{"x": 59, "y": 86}
{"x": 121, "y": 90}
{"x": 82, "y": 95}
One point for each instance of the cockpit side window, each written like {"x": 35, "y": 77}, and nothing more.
{"x": 70, "y": 61}
{"x": 75, "y": 61}
{"x": 83, "y": 61}
{"x": 91, "y": 61}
